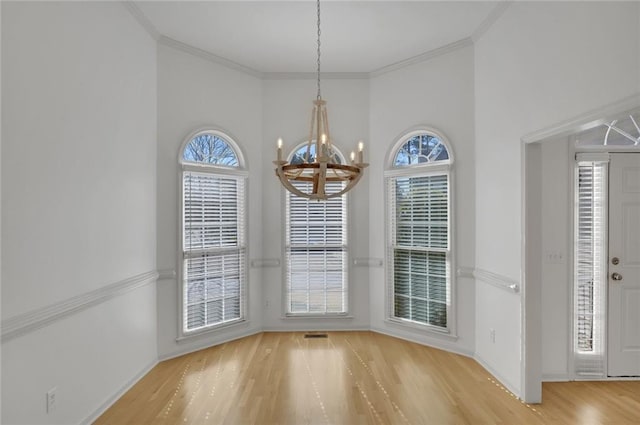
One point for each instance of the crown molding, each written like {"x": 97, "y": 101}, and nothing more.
{"x": 491, "y": 19}
{"x": 585, "y": 121}
{"x": 142, "y": 19}
{"x": 314, "y": 75}
{"x": 203, "y": 54}
{"x": 28, "y": 322}
{"x": 161, "y": 39}
{"x": 451, "y": 47}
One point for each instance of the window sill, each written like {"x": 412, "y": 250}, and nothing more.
{"x": 185, "y": 337}
{"x": 428, "y": 329}
{"x": 315, "y": 316}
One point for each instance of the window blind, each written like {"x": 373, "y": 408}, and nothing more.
{"x": 316, "y": 253}
{"x": 590, "y": 268}
{"x": 213, "y": 249}
{"x": 419, "y": 251}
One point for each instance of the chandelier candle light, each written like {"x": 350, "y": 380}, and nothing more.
{"x": 321, "y": 165}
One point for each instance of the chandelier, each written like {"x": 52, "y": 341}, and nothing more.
{"x": 313, "y": 174}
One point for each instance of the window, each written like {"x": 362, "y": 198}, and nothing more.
{"x": 590, "y": 266}
{"x": 213, "y": 232}
{"x": 315, "y": 251}
{"x": 419, "y": 230}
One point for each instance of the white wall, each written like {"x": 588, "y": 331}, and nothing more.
{"x": 78, "y": 199}
{"x": 556, "y": 278}
{"x": 194, "y": 93}
{"x": 538, "y": 65}
{"x": 439, "y": 94}
{"x": 287, "y": 106}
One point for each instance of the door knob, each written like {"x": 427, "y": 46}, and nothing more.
{"x": 616, "y": 276}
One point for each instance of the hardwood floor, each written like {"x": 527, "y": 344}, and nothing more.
{"x": 352, "y": 378}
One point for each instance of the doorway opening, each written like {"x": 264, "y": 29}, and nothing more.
{"x": 606, "y": 253}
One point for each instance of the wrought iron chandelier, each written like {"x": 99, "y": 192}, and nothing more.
{"x": 311, "y": 176}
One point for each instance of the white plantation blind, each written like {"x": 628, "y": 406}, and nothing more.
{"x": 316, "y": 254}
{"x": 590, "y": 268}
{"x": 419, "y": 251}
{"x": 213, "y": 249}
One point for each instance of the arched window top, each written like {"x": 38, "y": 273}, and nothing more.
{"x": 420, "y": 147}
{"x": 299, "y": 154}
{"x": 211, "y": 147}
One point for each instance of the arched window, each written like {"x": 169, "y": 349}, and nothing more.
{"x": 316, "y": 250}
{"x": 419, "y": 229}
{"x": 212, "y": 231}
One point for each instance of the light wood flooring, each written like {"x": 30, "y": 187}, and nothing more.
{"x": 352, "y": 378}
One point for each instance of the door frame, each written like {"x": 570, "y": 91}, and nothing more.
{"x": 531, "y": 314}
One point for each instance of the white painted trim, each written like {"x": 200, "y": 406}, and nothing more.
{"x": 314, "y": 75}
{"x": 556, "y": 377}
{"x": 315, "y": 316}
{"x": 368, "y": 262}
{"x": 203, "y": 54}
{"x": 584, "y": 121}
{"x": 427, "y": 329}
{"x": 451, "y": 47}
{"x": 491, "y": 19}
{"x": 497, "y": 280}
{"x": 507, "y": 384}
{"x": 265, "y": 262}
{"x": 142, "y": 19}
{"x": 207, "y": 344}
{"x": 28, "y": 322}
{"x": 166, "y": 274}
{"x": 118, "y": 394}
{"x": 429, "y": 342}
{"x": 465, "y": 272}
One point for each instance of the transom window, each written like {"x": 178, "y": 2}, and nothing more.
{"x": 316, "y": 250}
{"x": 419, "y": 229}
{"x": 213, "y": 232}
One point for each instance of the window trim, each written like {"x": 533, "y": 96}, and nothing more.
{"x": 285, "y": 314}
{"x": 436, "y": 168}
{"x": 240, "y": 172}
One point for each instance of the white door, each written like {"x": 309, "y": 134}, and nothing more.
{"x": 624, "y": 265}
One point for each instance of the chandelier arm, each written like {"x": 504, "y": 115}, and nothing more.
{"x": 322, "y": 180}
{"x": 309, "y": 141}
{"x": 347, "y": 188}
{"x": 287, "y": 184}
{"x": 325, "y": 121}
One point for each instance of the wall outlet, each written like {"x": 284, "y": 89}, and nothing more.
{"x": 492, "y": 335}
{"x": 51, "y": 399}
{"x": 266, "y": 303}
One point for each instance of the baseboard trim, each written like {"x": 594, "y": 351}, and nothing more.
{"x": 431, "y": 342}
{"x": 507, "y": 384}
{"x": 118, "y": 394}
{"x": 555, "y": 377}
{"x": 25, "y": 323}
{"x": 207, "y": 343}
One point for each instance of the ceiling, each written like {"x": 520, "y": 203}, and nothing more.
{"x": 280, "y": 36}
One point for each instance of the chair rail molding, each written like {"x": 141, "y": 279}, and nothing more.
{"x": 265, "y": 262}
{"x": 28, "y": 322}
{"x": 494, "y": 279}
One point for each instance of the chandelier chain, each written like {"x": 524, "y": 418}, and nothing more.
{"x": 319, "y": 97}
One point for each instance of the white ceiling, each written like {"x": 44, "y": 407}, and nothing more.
{"x": 280, "y": 36}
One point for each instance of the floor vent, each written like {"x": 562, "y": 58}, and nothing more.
{"x": 316, "y": 335}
